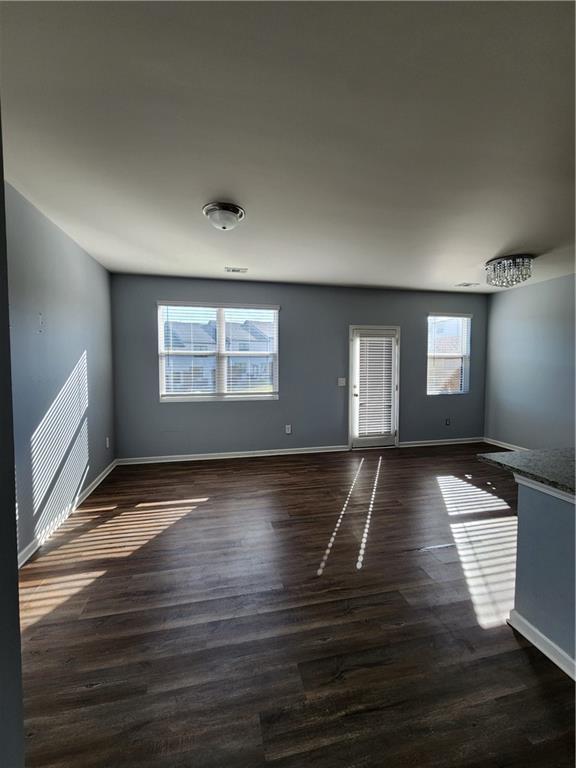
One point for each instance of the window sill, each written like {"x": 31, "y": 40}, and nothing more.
{"x": 215, "y": 398}
{"x": 445, "y": 394}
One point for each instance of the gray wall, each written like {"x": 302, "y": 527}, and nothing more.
{"x": 545, "y": 582}
{"x": 11, "y": 726}
{"x": 313, "y": 341}
{"x": 59, "y": 300}
{"x": 530, "y": 365}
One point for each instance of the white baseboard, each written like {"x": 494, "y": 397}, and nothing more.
{"x": 27, "y": 552}
{"x": 231, "y": 455}
{"x": 289, "y": 451}
{"x": 500, "y": 444}
{"x": 85, "y": 492}
{"x": 458, "y": 440}
{"x": 543, "y": 643}
{"x": 34, "y": 545}
{"x": 451, "y": 441}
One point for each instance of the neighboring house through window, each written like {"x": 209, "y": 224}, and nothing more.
{"x": 448, "y": 354}
{"x": 217, "y": 352}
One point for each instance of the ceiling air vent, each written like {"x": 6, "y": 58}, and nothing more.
{"x": 236, "y": 270}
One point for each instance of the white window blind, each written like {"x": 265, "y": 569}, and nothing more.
{"x": 448, "y": 355}
{"x": 217, "y": 352}
{"x": 375, "y": 386}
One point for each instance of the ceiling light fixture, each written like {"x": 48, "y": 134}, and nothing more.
{"x": 224, "y": 216}
{"x": 506, "y": 271}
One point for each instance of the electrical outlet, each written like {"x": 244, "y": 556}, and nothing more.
{"x": 288, "y": 429}
{"x": 107, "y": 442}
{"x": 447, "y": 422}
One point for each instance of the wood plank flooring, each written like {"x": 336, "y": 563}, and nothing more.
{"x": 264, "y": 612}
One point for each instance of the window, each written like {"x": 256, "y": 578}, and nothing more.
{"x": 448, "y": 354}
{"x": 217, "y": 353}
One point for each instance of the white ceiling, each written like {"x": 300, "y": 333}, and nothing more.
{"x": 390, "y": 144}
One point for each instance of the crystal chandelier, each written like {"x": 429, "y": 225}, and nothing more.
{"x": 506, "y": 271}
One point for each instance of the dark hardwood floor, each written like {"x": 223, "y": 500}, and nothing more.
{"x": 256, "y": 612}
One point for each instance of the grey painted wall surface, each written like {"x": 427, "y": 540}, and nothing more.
{"x": 530, "y": 365}
{"x": 545, "y": 576}
{"x": 313, "y": 353}
{"x": 11, "y": 714}
{"x": 59, "y": 300}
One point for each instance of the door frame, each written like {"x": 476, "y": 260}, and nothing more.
{"x": 395, "y": 330}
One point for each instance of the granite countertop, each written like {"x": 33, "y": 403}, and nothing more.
{"x": 549, "y": 466}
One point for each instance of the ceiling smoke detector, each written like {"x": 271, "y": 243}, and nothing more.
{"x": 224, "y": 216}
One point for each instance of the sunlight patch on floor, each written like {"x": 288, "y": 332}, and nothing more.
{"x": 364, "y": 541}
{"x": 87, "y": 510}
{"x": 100, "y": 538}
{"x": 38, "y": 601}
{"x": 487, "y": 552}
{"x": 462, "y": 498}
{"x": 332, "y": 538}
{"x": 118, "y": 536}
{"x": 177, "y": 502}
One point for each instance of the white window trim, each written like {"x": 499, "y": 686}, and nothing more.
{"x": 221, "y": 355}
{"x": 449, "y": 314}
{"x": 216, "y": 398}
{"x": 217, "y": 304}
{"x": 467, "y": 357}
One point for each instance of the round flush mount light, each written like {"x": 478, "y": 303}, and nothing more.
{"x": 507, "y": 271}
{"x": 224, "y": 216}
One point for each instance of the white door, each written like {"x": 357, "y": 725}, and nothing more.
{"x": 374, "y": 386}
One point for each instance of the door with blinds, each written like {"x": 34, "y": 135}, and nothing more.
{"x": 374, "y": 386}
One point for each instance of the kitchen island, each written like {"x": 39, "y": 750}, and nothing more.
{"x": 544, "y": 600}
